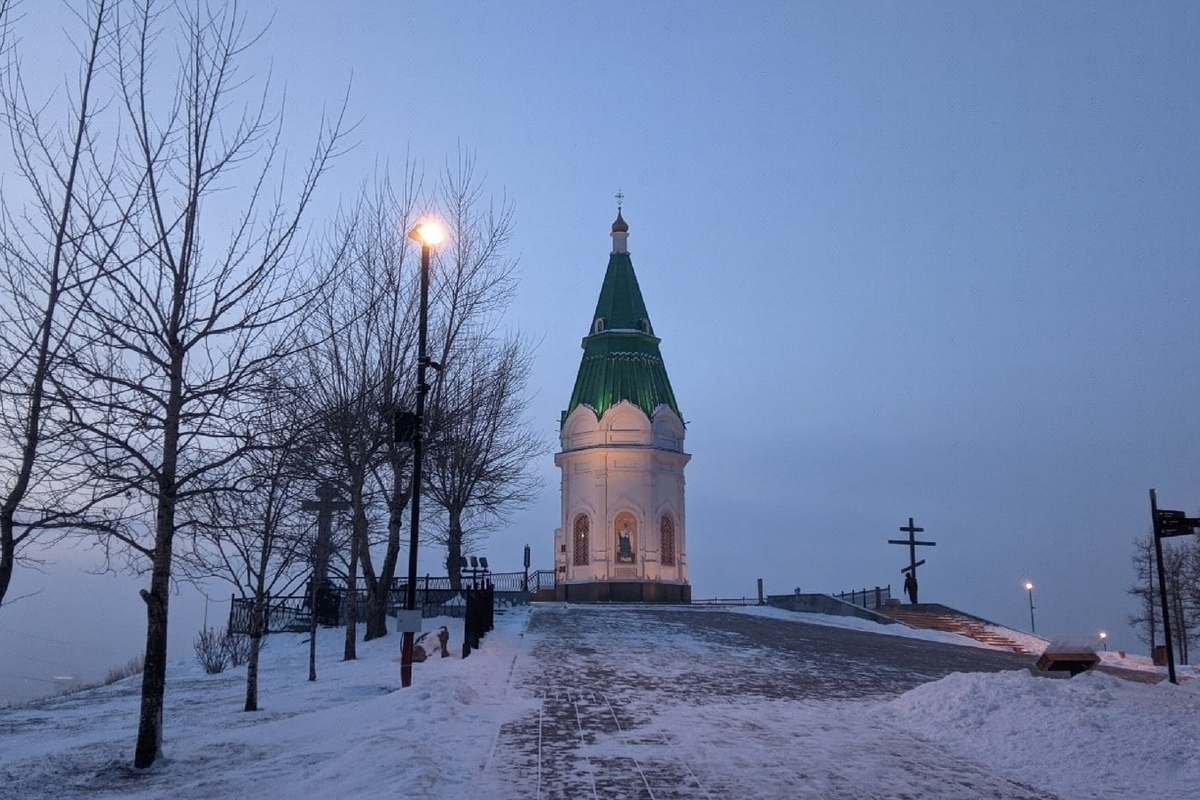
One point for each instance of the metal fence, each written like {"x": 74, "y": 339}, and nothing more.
{"x": 726, "y": 601}
{"x": 542, "y": 580}
{"x": 867, "y": 598}
{"x": 436, "y": 597}
{"x": 283, "y": 614}
{"x": 503, "y": 581}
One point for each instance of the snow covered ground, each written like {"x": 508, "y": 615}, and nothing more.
{"x": 354, "y": 733}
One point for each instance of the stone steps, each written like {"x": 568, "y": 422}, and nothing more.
{"x": 950, "y": 621}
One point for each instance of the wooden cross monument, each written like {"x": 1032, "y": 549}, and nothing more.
{"x": 910, "y": 572}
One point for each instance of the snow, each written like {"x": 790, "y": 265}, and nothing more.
{"x": 354, "y": 732}
{"x": 1109, "y": 737}
{"x": 856, "y": 624}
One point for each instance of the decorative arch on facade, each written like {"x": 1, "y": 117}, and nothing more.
{"x": 625, "y": 416}
{"x": 625, "y": 541}
{"x": 581, "y": 554}
{"x": 666, "y": 541}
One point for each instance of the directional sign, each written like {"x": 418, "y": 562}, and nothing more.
{"x": 1175, "y": 523}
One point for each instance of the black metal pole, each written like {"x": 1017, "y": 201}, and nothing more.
{"x": 1162, "y": 585}
{"x": 1032, "y": 624}
{"x": 410, "y": 601}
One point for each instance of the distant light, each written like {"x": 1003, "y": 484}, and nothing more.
{"x": 1028, "y": 585}
{"x": 430, "y": 234}
{"x": 1103, "y": 635}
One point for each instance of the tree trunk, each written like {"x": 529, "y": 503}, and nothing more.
{"x": 349, "y": 653}
{"x": 312, "y": 627}
{"x": 154, "y": 674}
{"x": 375, "y": 592}
{"x": 377, "y": 602}
{"x": 454, "y": 549}
{"x": 257, "y": 620}
{"x": 7, "y": 551}
{"x": 154, "y": 669}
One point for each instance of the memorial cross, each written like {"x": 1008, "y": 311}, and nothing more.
{"x": 325, "y": 504}
{"x": 911, "y": 570}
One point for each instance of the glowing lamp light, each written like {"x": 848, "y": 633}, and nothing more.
{"x": 430, "y": 234}
{"x": 1032, "y": 623}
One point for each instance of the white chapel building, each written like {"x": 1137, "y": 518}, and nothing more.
{"x": 623, "y": 535}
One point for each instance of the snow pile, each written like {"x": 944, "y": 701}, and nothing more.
{"x": 353, "y": 732}
{"x": 1091, "y": 736}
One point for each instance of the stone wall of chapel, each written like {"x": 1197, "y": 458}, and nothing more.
{"x": 621, "y": 463}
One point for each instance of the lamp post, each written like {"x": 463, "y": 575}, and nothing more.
{"x": 1104, "y": 639}
{"x": 429, "y": 234}
{"x": 1029, "y": 588}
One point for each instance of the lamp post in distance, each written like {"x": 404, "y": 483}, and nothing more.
{"x": 1104, "y": 639}
{"x": 1029, "y": 588}
{"x": 429, "y": 234}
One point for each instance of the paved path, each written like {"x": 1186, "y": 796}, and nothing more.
{"x": 724, "y": 706}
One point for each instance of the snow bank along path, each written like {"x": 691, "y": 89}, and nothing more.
{"x": 626, "y": 702}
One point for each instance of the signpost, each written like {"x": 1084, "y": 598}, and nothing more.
{"x": 1167, "y": 523}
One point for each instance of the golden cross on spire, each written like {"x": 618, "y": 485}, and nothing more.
{"x": 620, "y": 199}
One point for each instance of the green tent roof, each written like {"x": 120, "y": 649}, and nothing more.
{"x": 621, "y": 360}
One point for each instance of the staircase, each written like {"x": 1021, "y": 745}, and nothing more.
{"x": 936, "y": 617}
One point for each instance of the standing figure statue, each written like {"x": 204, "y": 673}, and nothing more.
{"x": 625, "y": 545}
{"x": 910, "y": 586}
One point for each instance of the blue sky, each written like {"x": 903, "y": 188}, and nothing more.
{"x": 923, "y": 259}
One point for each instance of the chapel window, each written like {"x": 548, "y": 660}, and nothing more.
{"x": 666, "y": 536}
{"x": 582, "y": 553}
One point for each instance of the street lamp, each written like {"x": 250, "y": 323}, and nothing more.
{"x": 1029, "y": 588}
{"x": 429, "y": 234}
{"x": 1104, "y": 639}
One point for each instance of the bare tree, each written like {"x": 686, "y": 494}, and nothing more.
{"x": 360, "y": 366}
{"x": 43, "y": 261}
{"x": 1177, "y": 564}
{"x": 382, "y": 250}
{"x": 254, "y": 537}
{"x": 482, "y": 450}
{"x": 179, "y": 342}
{"x": 477, "y": 437}
{"x": 1147, "y": 619}
{"x": 361, "y": 339}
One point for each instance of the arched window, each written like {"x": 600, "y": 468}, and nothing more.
{"x": 666, "y": 541}
{"x": 598, "y": 325}
{"x": 645, "y": 326}
{"x": 582, "y": 553}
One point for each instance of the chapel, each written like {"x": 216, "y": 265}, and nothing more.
{"x": 623, "y": 532}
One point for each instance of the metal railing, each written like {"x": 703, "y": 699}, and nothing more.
{"x": 541, "y": 580}
{"x": 436, "y": 597}
{"x": 283, "y": 614}
{"x": 726, "y": 601}
{"x": 867, "y": 598}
